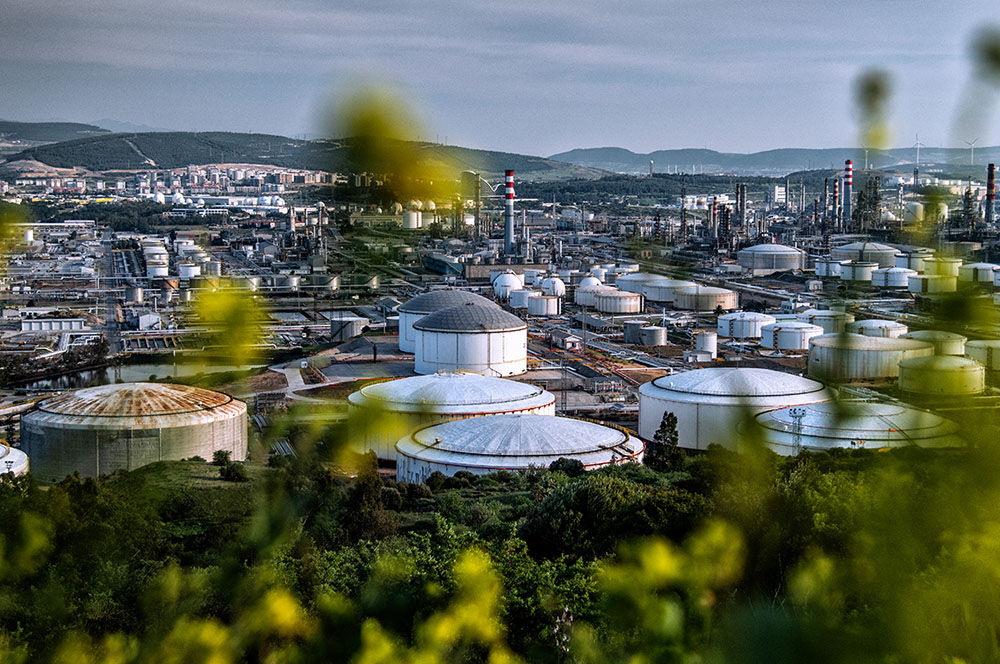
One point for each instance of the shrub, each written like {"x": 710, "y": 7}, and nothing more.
{"x": 435, "y": 481}
{"x": 572, "y": 467}
{"x": 221, "y": 457}
{"x": 234, "y": 472}
{"x": 391, "y": 499}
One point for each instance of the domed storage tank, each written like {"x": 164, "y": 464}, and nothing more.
{"x": 587, "y": 297}
{"x": 868, "y": 252}
{"x": 790, "y": 335}
{"x": 892, "y": 277}
{"x": 984, "y": 351}
{"x": 380, "y": 414}
{"x": 506, "y": 282}
{"x": 634, "y": 281}
{"x": 544, "y": 305}
{"x": 427, "y": 303}
{"x": 931, "y": 283}
{"x": 945, "y": 343}
{"x": 942, "y": 375}
{"x": 553, "y": 286}
{"x": 744, "y": 324}
{"x": 12, "y": 460}
{"x": 589, "y": 281}
{"x": 946, "y": 267}
{"x": 980, "y": 273}
{"x": 859, "y": 271}
{"x": 847, "y": 357}
{"x": 653, "y": 335}
{"x": 616, "y": 301}
{"x": 98, "y": 430}
{"x": 470, "y": 337}
{"x": 706, "y": 298}
{"x": 874, "y": 327}
{"x": 828, "y": 267}
{"x": 664, "y": 290}
{"x": 483, "y": 445}
{"x": 709, "y": 403}
{"x": 519, "y": 298}
{"x": 830, "y": 321}
{"x": 763, "y": 259}
{"x": 853, "y": 425}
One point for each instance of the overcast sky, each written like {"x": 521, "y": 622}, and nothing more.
{"x": 531, "y": 76}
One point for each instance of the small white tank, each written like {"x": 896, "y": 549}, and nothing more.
{"x": 830, "y": 321}
{"x": 874, "y": 327}
{"x": 788, "y": 335}
{"x": 859, "y": 271}
{"x": 188, "y": 270}
{"x": 743, "y": 324}
{"x": 828, "y": 267}
{"x": 519, "y": 298}
{"x": 984, "y": 351}
{"x": 980, "y": 273}
{"x": 945, "y": 343}
{"x": 947, "y": 267}
{"x": 892, "y": 277}
{"x": 553, "y": 286}
{"x": 653, "y": 335}
{"x": 913, "y": 260}
{"x": 707, "y": 342}
{"x": 411, "y": 219}
{"x": 941, "y": 375}
{"x": 544, "y": 305}
{"x": 931, "y": 283}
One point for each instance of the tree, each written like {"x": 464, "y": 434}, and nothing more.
{"x": 662, "y": 453}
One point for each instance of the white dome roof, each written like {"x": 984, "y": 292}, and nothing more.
{"x": 588, "y": 281}
{"x": 748, "y": 315}
{"x": 772, "y": 249}
{"x": 737, "y": 382}
{"x": 448, "y": 392}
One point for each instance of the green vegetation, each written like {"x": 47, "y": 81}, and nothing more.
{"x": 46, "y": 132}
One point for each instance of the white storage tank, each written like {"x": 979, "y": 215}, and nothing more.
{"x": 13, "y": 460}
{"x": 707, "y": 342}
{"x": 852, "y": 425}
{"x": 947, "y": 267}
{"x": 744, "y": 324}
{"x": 942, "y": 375}
{"x": 587, "y": 297}
{"x": 544, "y": 305}
{"x": 506, "y": 282}
{"x": 589, "y": 281}
{"x": 653, "y": 335}
{"x": 471, "y": 337}
{"x": 932, "y": 283}
{"x": 634, "y": 281}
{"x": 531, "y": 275}
{"x": 858, "y": 271}
{"x": 945, "y": 343}
{"x": 847, "y": 357}
{"x": 483, "y": 445}
{"x": 553, "y": 286}
{"x": 519, "y": 298}
{"x": 892, "y": 277}
{"x": 828, "y": 267}
{"x": 706, "y": 298}
{"x": 599, "y": 273}
{"x": 188, "y": 270}
{"x": 980, "y": 273}
{"x": 664, "y": 290}
{"x": 868, "y": 252}
{"x": 427, "y": 303}
{"x": 710, "y": 403}
{"x": 379, "y": 414}
{"x": 156, "y": 269}
{"x": 763, "y": 259}
{"x": 616, "y": 301}
{"x": 411, "y": 219}
{"x": 875, "y": 327}
{"x": 790, "y": 335}
{"x": 830, "y": 321}
{"x": 913, "y": 260}
{"x": 984, "y": 351}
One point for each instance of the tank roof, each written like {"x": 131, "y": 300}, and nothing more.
{"x": 470, "y": 317}
{"x": 866, "y": 246}
{"x": 134, "y": 400}
{"x": 738, "y": 382}
{"x": 747, "y": 315}
{"x": 933, "y": 335}
{"x": 771, "y": 248}
{"x": 851, "y": 341}
{"x": 445, "y": 391}
{"x": 704, "y": 290}
{"x": 431, "y": 301}
{"x": 940, "y": 363}
{"x": 871, "y": 422}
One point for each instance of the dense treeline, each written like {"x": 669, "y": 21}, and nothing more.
{"x": 123, "y": 216}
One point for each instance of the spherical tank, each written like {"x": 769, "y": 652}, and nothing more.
{"x": 589, "y": 281}
{"x": 869, "y": 252}
{"x": 788, "y": 335}
{"x": 616, "y": 301}
{"x": 847, "y": 357}
{"x": 553, "y": 286}
{"x": 380, "y": 414}
{"x": 830, "y": 321}
{"x": 483, "y": 445}
{"x": 743, "y": 324}
{"x": 505, "y": 283}
{"x": 874, "y": 327}
{"x": 98, "y": 430}
{"x": 544, "y": 305}
{"x": 706, "y": 298}
{"x": 710, "y": 403}
{"x": 945, "y": 343}
{"x": 427, "y": 303}
{"x": 942, "y": 375}
{"x": 664, "y": 290}
{"x": 470, "y": 337}
{"x": 892, "y": 277}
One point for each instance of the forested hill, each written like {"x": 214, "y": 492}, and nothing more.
{"x": 179, "y": 149}
{"x": 46, "y": 132}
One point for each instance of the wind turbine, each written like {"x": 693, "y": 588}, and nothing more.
{"x": 918, "y": 145}
{"x": 972, "y": 151}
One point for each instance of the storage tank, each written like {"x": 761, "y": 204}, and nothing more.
{"x": 828, "y": 267}
{"x": 29, "y": 236}
{"x": 706, "y": 298}
{"x": 616, "y": 301}
{"x": 945, "y": 343}
{"x": 519, "y": 298}
{"x": 830, "y": 321}
{"x": 380, "y": 414}
{"x": 427, "y": 303}
{"x": 947, "y": 267}
{"x": 134, "y": 294}
{"x": 12, "y": 460}
{"x": 323, "y": 282}
{"x": 763, "y": 259}
{"x": 984, "y": 351}
{"x": 411, "y": 219}
{"x": 664, "y": 290}
{"x": 942, "y": 375}
{"x": 589, "y": 281}
{"x": 599, "y": 273}
{"x": 155, "y": 269}
{"x": 213, "y": 267}
{"x": 875, "y": 327}
{"x": 788, "y": 335}
{"x": 858, "y": 271}
{"x": 848, "y": 357}
{"x": 744, "y": 324}
{"x": 632, "y": 331}
{"x": 868, "y": 252}
{"x": 544, "y": 305}
{"x": 553, "y": 286}
{"x": 98, "y": 430}
{"x": 245, "y": 283}
{"x": 531, "y": 276}
{"x": 587, "y": 297}
{"x": 980, "y": 273}
{"x": 482, "y": 445}
{"x": 852, "y": 425}
{"x": 504, "y": 283}
{"x": 471, "y": 337}
{"x": 654, "y": 335}
{"x": 892, "y": 277}
{"x": 634, "y": 281}
{"x": 188, "y": 270}
{"x": 913, "y": 260}
{"x": 932, "y": 283}
{"x": 710, "y": 403}
{"x": 707, "y": 342}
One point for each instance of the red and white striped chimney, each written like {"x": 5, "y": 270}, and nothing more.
{"x": 848, "y": 189}
{"x": 508, "y": 235}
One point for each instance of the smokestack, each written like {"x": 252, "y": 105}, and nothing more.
{"x": 508, "y": 215}
{"x": 826, "y": 196}
{"x": 848, "y": 189}
{"x": 990, "y": 192}
{"x": 836, "y": 204}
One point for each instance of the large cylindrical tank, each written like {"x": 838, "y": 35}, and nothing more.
{"x": 710, "y": 403}
{"x": 743, "y": 324}
{"x": 947, "y": 267}
{"x": 587, "y": 297}
{"x": 874, "y": 327}
{"x": 984, "y": 351}
{"x": 634, "y": 281}
{"x": 653, "y": 335}
{"x": 828, "y": 267}
{"x": 544, "y": 305}
{"x": 913, "y": 260}
{"x": 663, "y": 290}
{"x": 134, "y": 294}
{"x": 471, "y": 337}
{"x": 765, "y": 259}
{"x": 632, "y": 331}
{"x": 427, "y": 303}
{"x": 707, "y": 342}
{"x": 188, "y": 270}
{"x": 858, "y": 271}
{"x": 980, "y": 273}
{"x": 848, "y": 357}
{"x": 618, "y": 302}
{"x": 942, "y": 374}
{"x": 156, "y": 269}
{"x": 706, "y": 299}
{"x": 323, "y": 282}
{"x": 945, "y": 343}
{"x": 931, "y": 283}
{"x": 788, "y": 335}
{"x": 213, "y": 267}
{"x": 892, "y": 277}
{"x": 98, "y": 430}
{"x": 519, "y": 297}
{"x": 869, "y": 252}
{"x": 411, "y": 219}
{"x": 380, "y": 413}
{"x": 553, "y": 286}
{"x": 245, "y": 283}
{"x": 830, "y": 321}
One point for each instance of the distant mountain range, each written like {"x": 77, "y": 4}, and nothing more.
{"x": 772, "y": 162}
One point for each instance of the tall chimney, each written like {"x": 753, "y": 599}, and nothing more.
{"x": 990, "y": 192}
{"x": 508, "y": 215}
{"x": 836, "y": 204}
{"x": 848, "y": 190}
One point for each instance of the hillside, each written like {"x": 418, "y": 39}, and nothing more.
{"x": 18, "y": 136}
{"x": 179, "y": 149}
{"x": 772, "y": 162}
